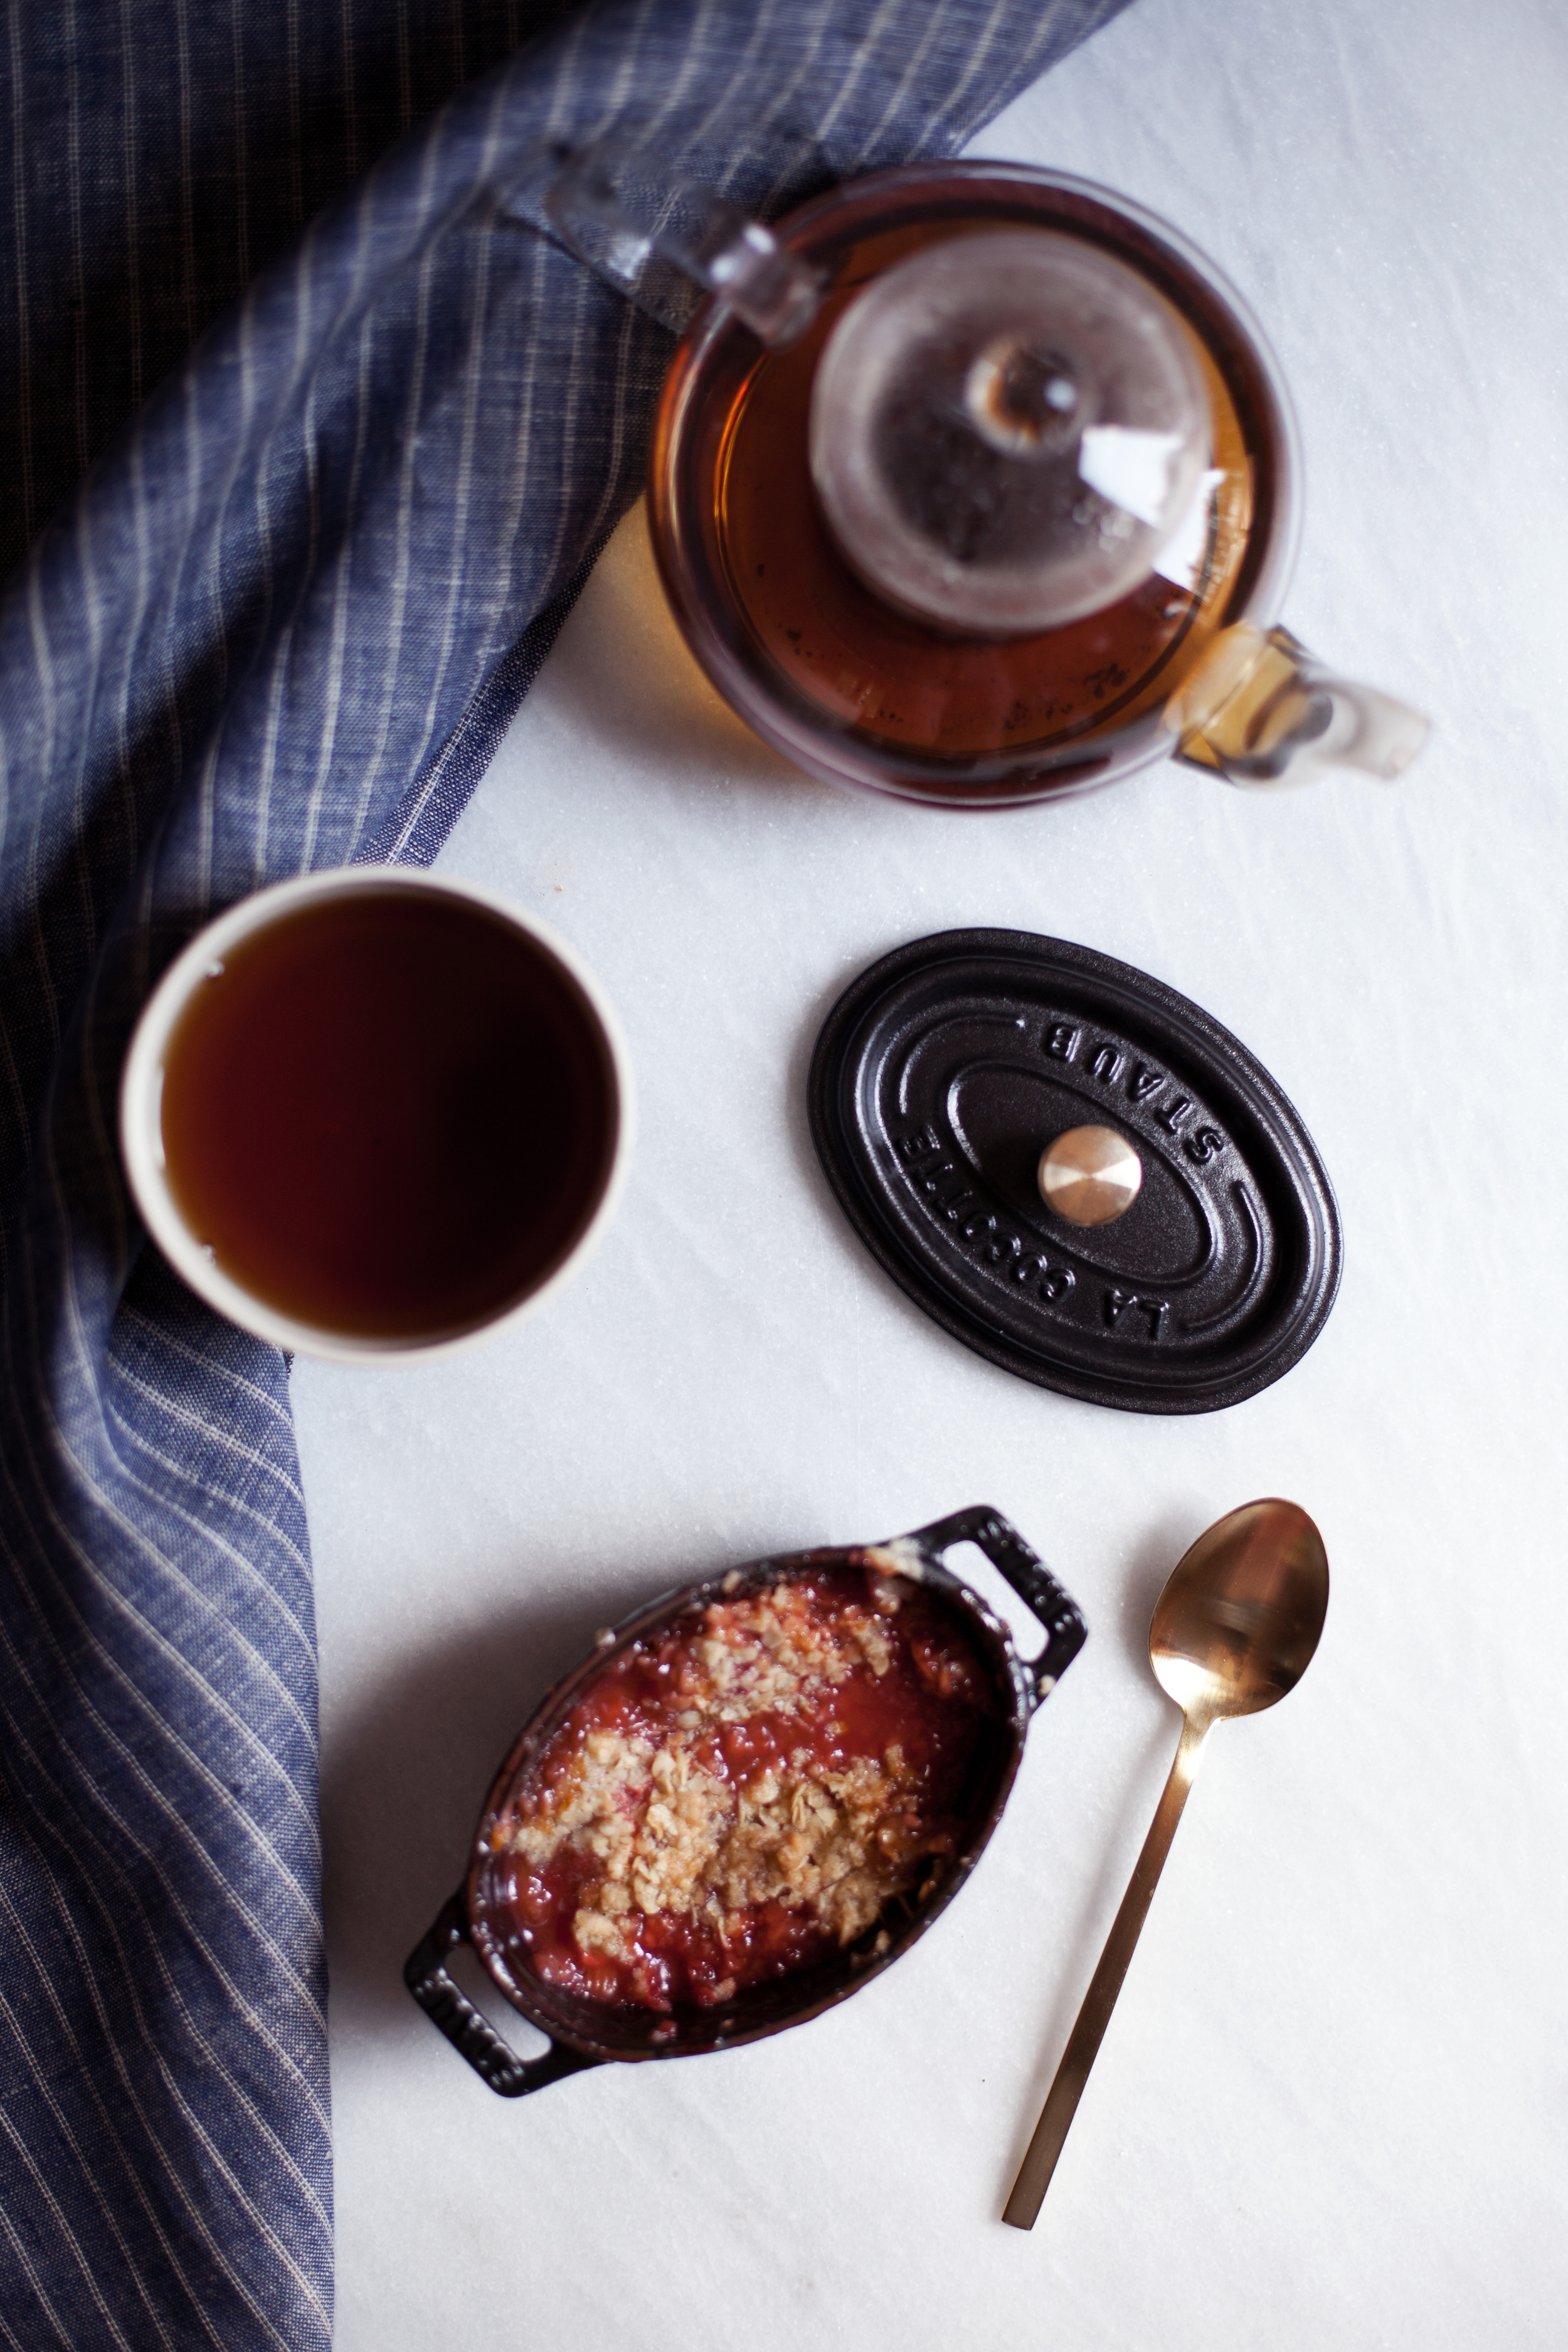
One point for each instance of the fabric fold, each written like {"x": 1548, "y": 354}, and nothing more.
{"x": 281, "y": 626}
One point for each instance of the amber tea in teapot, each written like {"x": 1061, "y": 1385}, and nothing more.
{"x": 993, "y": 716}
{"x": 977, "y": 484}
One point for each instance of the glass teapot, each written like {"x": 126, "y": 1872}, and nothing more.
{"x": 972, "y": 484}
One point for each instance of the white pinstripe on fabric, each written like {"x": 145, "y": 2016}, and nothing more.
{"x": 19, "y": 238}
{"x": 173, "y": 2003}
{"x": 132, "y": 2108}
{"x": 87, "y": 2159}
{"x": 187, "y": 223}
{"x": 135, "y": 1777}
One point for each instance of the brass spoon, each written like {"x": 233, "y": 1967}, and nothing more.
{"x": 1234, "y": 1630}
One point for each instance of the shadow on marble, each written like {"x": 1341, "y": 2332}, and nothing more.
{"x": 621, "y": 675}
{"x": 1153, "y": 1557}
{"x": 405, "y": 1772}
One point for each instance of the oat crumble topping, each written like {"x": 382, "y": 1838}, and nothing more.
{"x": 732, "y": 1801}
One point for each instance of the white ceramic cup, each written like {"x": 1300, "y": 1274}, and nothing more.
{"x": 141, "y": 1113}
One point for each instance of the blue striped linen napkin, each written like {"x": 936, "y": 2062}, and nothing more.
{"x": 280, "y": 626}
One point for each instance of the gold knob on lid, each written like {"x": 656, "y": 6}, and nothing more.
{"x": 1090, "y": 1175}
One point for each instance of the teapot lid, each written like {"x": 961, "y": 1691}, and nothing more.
{"x": 1007, "y": 430}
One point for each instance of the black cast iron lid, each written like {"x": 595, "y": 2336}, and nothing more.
{"x": 944, "y": 1070}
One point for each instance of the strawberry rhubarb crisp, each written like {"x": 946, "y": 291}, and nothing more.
{"x": 740, "y": 1795}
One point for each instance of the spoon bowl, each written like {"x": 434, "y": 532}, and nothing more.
{"x": 1239, "y": 1618}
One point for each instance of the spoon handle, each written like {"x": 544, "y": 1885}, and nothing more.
{"x": 1083, "y": 2043}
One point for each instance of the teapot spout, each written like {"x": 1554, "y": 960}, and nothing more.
{"x": 1260, "y": 709}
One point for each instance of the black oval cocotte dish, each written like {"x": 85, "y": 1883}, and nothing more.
{"x": 585, "y": 2032}
{"x": 939, "y": 1078}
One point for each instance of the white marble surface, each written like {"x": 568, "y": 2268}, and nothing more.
{"x": 1333, "y": 2109}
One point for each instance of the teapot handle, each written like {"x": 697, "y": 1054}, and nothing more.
{"x": 664, "y": 242}
{"x": 1260, "y": 709}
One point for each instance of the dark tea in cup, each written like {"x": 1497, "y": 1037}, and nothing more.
{"x": 371, "y": 1111}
